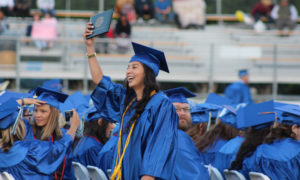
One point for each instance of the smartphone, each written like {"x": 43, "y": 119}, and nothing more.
{"x": 68, "y": 115}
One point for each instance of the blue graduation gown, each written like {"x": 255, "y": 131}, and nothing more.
{"x": 68, "y": 171}
{"x": 279, "y": 160}
{"x": 188, "y": 164}
{"x": 238, "y": 92}
{"x": 34, "y": 159}
{"x": 153, "y": 143}
{"x": 227, "y": 153}
{"x": 106, "y": 155}
{"x": 208, "y": 155}
{"x": 87, "y": 150}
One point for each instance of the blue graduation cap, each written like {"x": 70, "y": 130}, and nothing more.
{"x": 75, "y": 101}
{"x": 53, "y": 98}
{"x": 256, "y": 115}
{"x": 213, "y": 98}
{"x": 200, "y": 112}
{"x": 179, "y": 95}
{"x": 228, "y": 115}
{"x": 6, "y": 95}
{"x": 290, "y": 114}
{"x": 153, "y": 58}
{"x": 53, "y": 84}
{"x": 8, "y": 113}
{"x": 243, "y": 72}
{"x": 92, "y": 114}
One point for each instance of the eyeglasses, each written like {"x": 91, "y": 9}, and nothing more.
{"x": 184, "y": 109}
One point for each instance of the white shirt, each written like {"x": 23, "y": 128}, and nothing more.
{"x": 45, "y": 4}
{"x": 5, "y": 3}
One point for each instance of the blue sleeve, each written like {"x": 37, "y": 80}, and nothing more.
{"x": 188, "y": 163}
{"x": 45, "y": 157}
{"x": 108, "y": 97}
{"x": 246, "y": 95}
{"x": 161, "y": 144}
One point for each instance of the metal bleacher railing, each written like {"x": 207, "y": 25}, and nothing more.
{"x": 210, "y": 56}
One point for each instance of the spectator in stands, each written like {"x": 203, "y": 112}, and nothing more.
{"x": 7, "y": 6}
{"x": 144, "y": 10}
{"x": 126, "y": 7}
{"x": 123, "y": 32}
{"x": 46, "y": 6}
{"x": 239, "y": 92}
{"x": 285, "y": 15}
{"x": 163, "y": 10}
{"x": 189, "y": 13}
{"x": 22, "y": 7}
{"x": 3, "y": 23}
{"x": 44, "y": 32}
{"x": 262, "y": 11}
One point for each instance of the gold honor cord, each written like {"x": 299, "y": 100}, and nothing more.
{"x": 118, "y": 164}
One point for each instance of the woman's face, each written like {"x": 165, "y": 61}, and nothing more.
{"x": 296, "y": 130}
{"x": 135, "y": 75}
{"x": 109, "y": 129}
{"x": 41, "y": 114}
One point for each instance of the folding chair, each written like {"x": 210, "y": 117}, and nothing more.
{"x": 96, "y": 173}
{"x": 81, "y": 173}
{"x": 214, "y": 173}
{"x": 258, "y": 176}
{"x": 6, "y": 176}
{"x": 233, "y": 175}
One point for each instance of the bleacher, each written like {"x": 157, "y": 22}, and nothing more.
{"x": 214, "y": 54}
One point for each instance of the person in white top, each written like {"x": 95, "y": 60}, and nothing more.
{"x": 46, "y": 6}
{"x": 7, "y": 6}
{"x": 285, "y": 15}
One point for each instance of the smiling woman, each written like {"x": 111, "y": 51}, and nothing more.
{"x": 148, "y": 120}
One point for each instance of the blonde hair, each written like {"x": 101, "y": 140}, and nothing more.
{"x": 52, "y": 126}
{"x": 8, "y": 139}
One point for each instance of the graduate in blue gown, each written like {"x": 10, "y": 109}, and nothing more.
{"x": 239, "y": 92}
{"x": 148, "y": 120}
{"x": 218, "y": 134}
{"x": 96, "y": 133}
{"x": 188, "y": 163}
{"x": 256, "y": 119}
{"x": 279, "y": 156}
{"x": 29, "y": 159}
{"x": 106, "y": 155}
{"x": 46, "y": 126}
{"x": 227, "y": 153}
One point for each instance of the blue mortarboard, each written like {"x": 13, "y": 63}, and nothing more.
{"x": 92, "y": 114}
{"x": 256, "y": 115}
{"x": 75, "y": 101}
{"x": 179, "y": 95}
{"x": 243, "y": 72}
{"x": 53, "y": 98}
{"x": 200, "y": 112}
{"x": 290, "y": 114}
{"x": 228, "y": 115}
{"x": 8, "y": 113}
{"x": 53, "y": 84}
{"x": 6, "y": 95}
{"x": 152, "y": 58}
{"x": 216, "y": 99}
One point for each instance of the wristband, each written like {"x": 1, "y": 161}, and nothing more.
{"x": 91, "y": 55}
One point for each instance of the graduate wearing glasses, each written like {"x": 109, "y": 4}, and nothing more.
{"x": 147, "y": 141}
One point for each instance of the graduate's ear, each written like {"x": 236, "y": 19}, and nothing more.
{"x": 100, "y": 121}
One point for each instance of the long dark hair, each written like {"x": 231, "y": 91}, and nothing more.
{"x": 253, "y": 138}
{"x": 150, "y": 85}
{"x": 219, "y": 131}
{"x": 196, "y": 131}
{"x": 93, "y": 129}
{"x": 280, "y": 132}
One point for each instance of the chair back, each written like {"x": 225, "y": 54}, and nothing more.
{"x": 233, "y": 175}
{"x": 80, "y": 171}
{"x": 96, "y": 173}
{"x": 258, "y": 176}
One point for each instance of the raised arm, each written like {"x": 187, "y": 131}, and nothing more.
{"x": 95, "y": 68}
